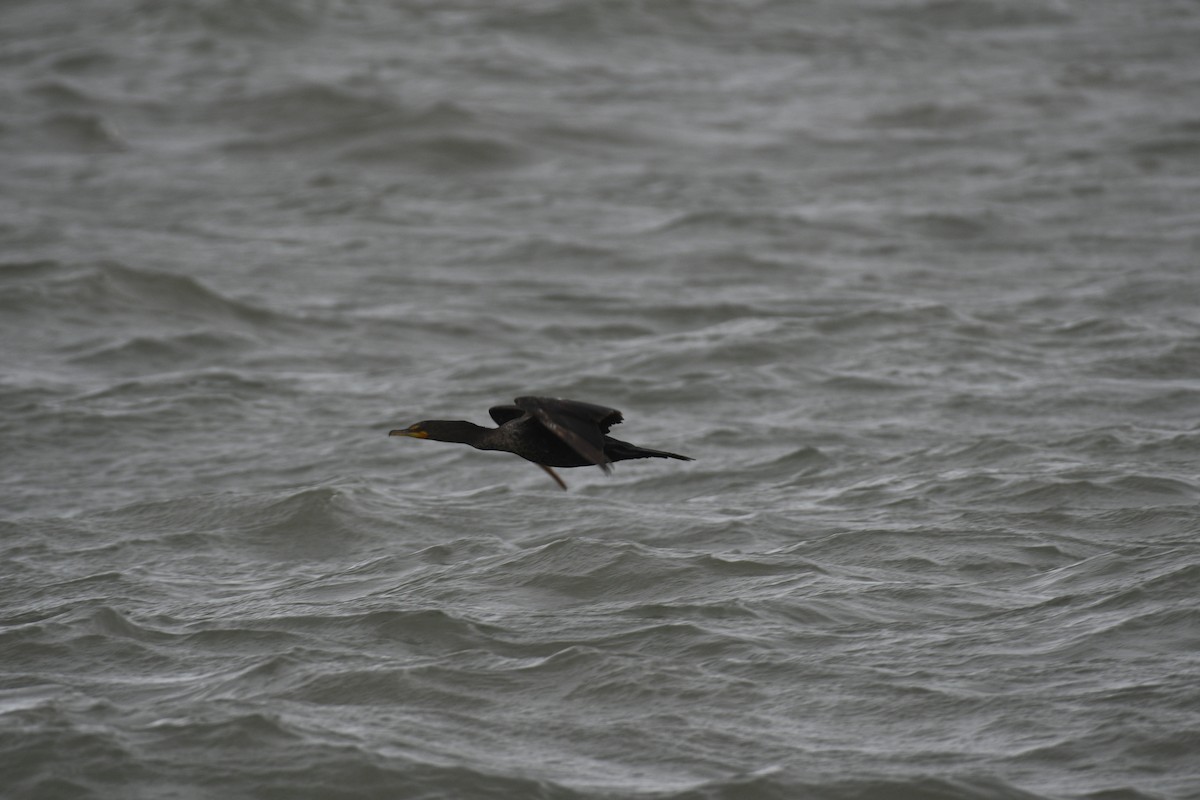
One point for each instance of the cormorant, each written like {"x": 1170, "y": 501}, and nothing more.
{"x": 549, "y": 431}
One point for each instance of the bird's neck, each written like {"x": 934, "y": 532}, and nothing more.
{"x": 463, "y": 432}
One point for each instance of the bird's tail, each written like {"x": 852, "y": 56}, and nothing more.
{"x": 617, "y": 450}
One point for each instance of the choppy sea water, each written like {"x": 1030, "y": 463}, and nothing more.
{"x": 915, "y": 282}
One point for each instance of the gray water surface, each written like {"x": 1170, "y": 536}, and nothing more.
{"x": 914, "y": 281}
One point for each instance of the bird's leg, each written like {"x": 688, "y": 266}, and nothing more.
{"x": 554, "y": 475}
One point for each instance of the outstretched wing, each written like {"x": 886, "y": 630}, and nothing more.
{"x": 580, "y": 425}
{"x": 503, "y": 414}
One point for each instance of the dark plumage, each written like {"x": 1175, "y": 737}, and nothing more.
{"x": 549, "y": 431}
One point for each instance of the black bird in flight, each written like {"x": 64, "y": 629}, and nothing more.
{"x": 549, "y": 431}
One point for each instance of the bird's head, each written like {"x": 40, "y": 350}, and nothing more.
{"x": 416, "y": 431}
{"x": 443, "y": 430}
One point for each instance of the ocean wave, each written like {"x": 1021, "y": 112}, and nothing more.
{"x": 771, "y": 785}
{"x": 964, "y": 14}
{"x": 228, "y": 17}
{"x": 290, "y": 522}
{"x": 317, "y": 107}
{"x": 167, "y": 352}
{"x": 935, "y": 116}
{"x": 575, "y": 20}
{"x": 1084, "y": 493}
{"x": 71, "y": 131}
{"x": 61, "y": 93}
{"x": 1174, "y": 361}
{"x": 951, "y": 225}
{"x": 370, "y": 128}
{"x": 111, "y": 288}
